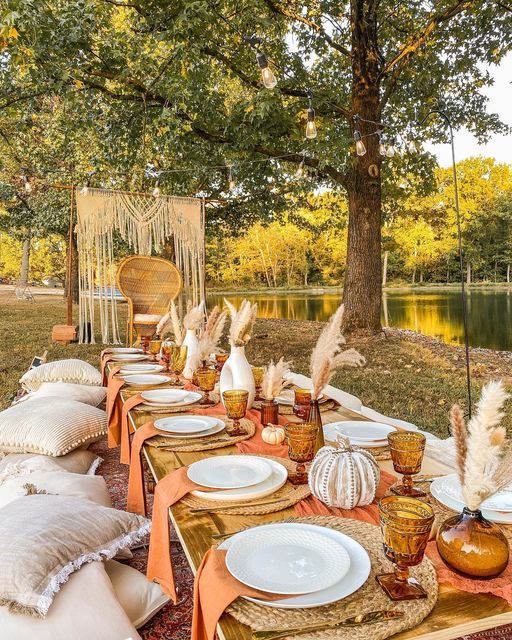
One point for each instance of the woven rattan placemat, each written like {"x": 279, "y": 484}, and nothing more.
{"x": 369, "y": 597}
{"x": 215, "y": 441}
{"x": 287, "y": 496}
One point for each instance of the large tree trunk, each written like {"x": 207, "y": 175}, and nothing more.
{"x": 25, "y": 261}
{"x": 363, "y": 277}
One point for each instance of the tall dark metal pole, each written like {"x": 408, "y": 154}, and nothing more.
{"x": 443, "y": 115}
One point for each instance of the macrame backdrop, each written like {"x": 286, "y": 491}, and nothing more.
{"x": 145, "y": 222}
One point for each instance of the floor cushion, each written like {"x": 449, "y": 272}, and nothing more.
{"x": 77, "y": 461}
{"x": 86, "y": 608}
{"x": 72, "y": 370}
{"x": 49, "y": 426}
{"x": 85, "y": 393}
{"x": 45, "y": 538}
{"x": 140, "y": 598}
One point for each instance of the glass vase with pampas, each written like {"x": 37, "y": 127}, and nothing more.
{"x": 272, "y": 385}
{"x": 327, "y": 358}
{"x": 469, "y": 543}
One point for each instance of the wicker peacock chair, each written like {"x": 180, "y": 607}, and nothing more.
{"x": 149, "y": 284}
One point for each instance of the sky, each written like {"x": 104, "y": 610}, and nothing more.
{"x": 498, "y": 146}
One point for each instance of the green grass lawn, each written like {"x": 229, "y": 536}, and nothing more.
{"x": 417, "y": 382}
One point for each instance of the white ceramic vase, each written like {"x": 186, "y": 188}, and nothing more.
{"x": 237, "y": 374}
{"x": 191, "y": 342}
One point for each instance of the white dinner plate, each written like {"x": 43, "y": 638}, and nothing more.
{"x": 217, "y": 428}
{"x": 229, "y": 472}
{"x": 287, "y": 560}
{"x": 185, "y": 424}
{"x": 362, "y": 431}
{"x": 165, "y": 396}
{"x": 128, "y": 357}
{"x": 447, "y": 491}
{"x": 145, "y": 380}
{"x": 126, "y": 350}
{"x": 141, "y": 368}
{"x": 191, "y": 398}
{"x": 274, "y": 482}
{"x": 356, "y": 576}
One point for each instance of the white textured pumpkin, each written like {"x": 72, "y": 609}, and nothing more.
{"x": 272, "y": 434}
{"x": 344, "y": 476}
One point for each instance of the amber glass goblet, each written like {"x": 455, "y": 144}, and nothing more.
{"x": 301, "y": 440}
{"x": 235, "y": 402}
{"x": 166, "y": 353}
{"x": 405, "y": 523}
{"x": 154, "y": 348}
{"x": 257, "y": 374}
{"x": 206, "y": 378}
{"x": 301, "y": 403}
{"x": 177, "y": 361}
{"x": 406, "y": 448}
{"x": 220, "y": 360}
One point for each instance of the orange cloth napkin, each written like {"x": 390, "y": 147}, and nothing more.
{"x": 135, "y": 498}
{"x": 105, "y": 358}
{"x": 113, "y": 406}
{"x": 255, "y": 445}
{"x": 214, "y": 589}
{"x": 125, "y": 427}
{"x": 313, "y": 507}
{"x": 500, "y": 586}
{"x": 168, "y": 491}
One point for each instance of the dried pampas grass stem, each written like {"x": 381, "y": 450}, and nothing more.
{"x": 274, "y": 379}
{"x": 460, "y": 436}
{"x": 242, "y": 322}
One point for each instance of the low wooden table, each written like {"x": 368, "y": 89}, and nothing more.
{"x": 456, "y": 613}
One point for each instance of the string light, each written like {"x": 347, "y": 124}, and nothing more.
{"x": 390, "y": 152}
{"x": 267, "y": 75}
{"x": 382, "y": 146}
{"x": 231, "y": 181}
{"x": 310, "y": 125}
{"x": 156, "y": 191}
{"x": 300, "y": 169}
{"x": 26, "y": 180}
{"x": 360, "y": 148}
{"x": 411, "y": 145}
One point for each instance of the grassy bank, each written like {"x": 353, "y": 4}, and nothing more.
{"x": 416, "y": 379}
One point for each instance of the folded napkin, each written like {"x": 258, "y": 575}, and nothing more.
{"x": 500, "y": 586}
{"x": 105, "y": 358}
{"x": 125, "y": 427}
{"x": 113, "y": 407}
{"x": 255, "y": 445}
{"x": 214, "y": 590}
{"x": 370, "y": 513}
{"x": 135, "y": 499}
{"x": 168, "y": 491}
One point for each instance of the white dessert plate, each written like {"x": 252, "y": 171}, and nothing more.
{"x": 128, "y": 357}
{"x": 363, "y": 431}
{"x": 191, "y": 398}
{"x": 145, "y": 380}
{"x": 217, "y": 428}
{"x": 165, "y": 396}
{"x": 229, "y": 472}
{"x": 185, "y": 424}
{"x": 355, "y": 577}
{"x": 497, "y": 508}
{"x": 287, "y": 560}
{"x": 141, "y": 368}
{"x": 126, "y": 350}
{"x": 274, "y": 482}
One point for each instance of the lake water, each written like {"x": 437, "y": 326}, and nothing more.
{"x": 436, "y": 314}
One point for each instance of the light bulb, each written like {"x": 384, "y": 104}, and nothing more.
{"x": 300, "y": 170}
{"x": 84, "y": 190}
{"x": 156, "y": 191}
{"x": 311, "y": 126}
{"x": 382, "y": 149}
{"x": 390, "y": 150}
{"x": 411, "y": 146}
{"x": 267, "y": 75}
{"x": 232, "y": 185}
{"x": 360, "y": 148}
{"x": 28, "y": 186}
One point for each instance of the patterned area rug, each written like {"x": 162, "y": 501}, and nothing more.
{"x": 173, "y": 622}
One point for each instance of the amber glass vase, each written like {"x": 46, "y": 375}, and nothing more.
{"x": 269, "y": 412}
{"x": 315, "y": 417}
{"x": 472, "y": 545}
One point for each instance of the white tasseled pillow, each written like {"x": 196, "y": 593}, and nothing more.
{"x": 86, "y": 393}
{"x": 72, "y": 370}
{"x": 50, "y": 426}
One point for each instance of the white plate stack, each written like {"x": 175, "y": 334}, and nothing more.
{"x": 369, "y": 435}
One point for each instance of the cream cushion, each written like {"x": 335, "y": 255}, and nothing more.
{"x": 80, "y": 392}
{"x": 72, "y": 370}
{"x": 150, "y": 318}
{"x": 140, "y": 598}
{"x": 86, "y": 608}
{"x": 77, "y": 461}
{"x": 49, "y": 426}
{"x": 45, "y": 538}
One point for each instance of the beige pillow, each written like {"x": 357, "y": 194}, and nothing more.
{"x": 72, "y": 370}
{"x": 140, "y": 598}
{"x": 80, "y": 392}
{"x": 45, "y": 538}
{"x": 50, "y": 426}
{"x": 77, "y": 461}
{"x": 86, "y": 608}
